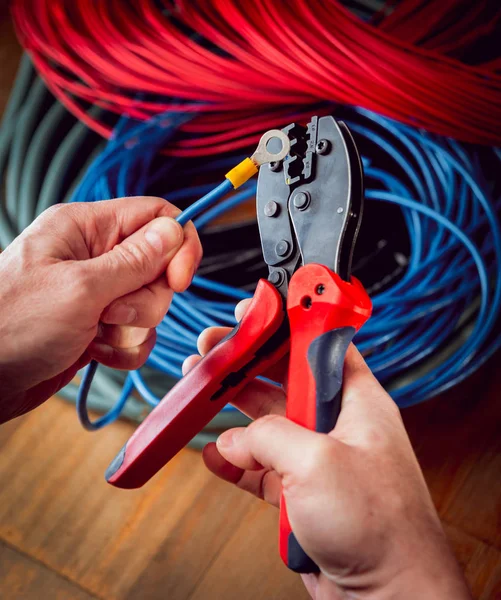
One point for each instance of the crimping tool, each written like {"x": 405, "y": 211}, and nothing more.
{"x": 309, "y": 208}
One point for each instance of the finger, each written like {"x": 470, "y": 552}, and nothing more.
{"x": 241, "y": 309}
{"x": 183, "y": 266}
{"x": 259, "y": 398}
{"x": 103, "y": 224}
{"x": 210, "y": 337}
{"x": 256, "y": 399}
{"x": 122, "y": 336}
{"x": 213, "y": 335}
{"x": 310, "y": 582}
{"x": 122, "y": 358}
{"x": 275, "y": 443}
{"x": 136, "y": 261}
{"x": 189, "y": 363}
{"x": 219, "y": 465}
{"x": 143, "y": 308}
{"x": 263, "y": 484}
{"x": 367, "y": 410}
{"x": 359, "y": 379}
{"x": 112, "y": 221}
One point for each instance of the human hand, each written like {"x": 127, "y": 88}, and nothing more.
{"x": 87, "y": 281}
{"x": 356, "y": 498}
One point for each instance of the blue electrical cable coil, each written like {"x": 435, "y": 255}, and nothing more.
{"x": 429, "y": 330}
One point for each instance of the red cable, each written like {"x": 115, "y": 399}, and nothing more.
{"x": 274, "y": 58}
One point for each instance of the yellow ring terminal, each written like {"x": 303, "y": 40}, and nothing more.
{"x": 249, "y": 166}
{"x": 242, "y": 172}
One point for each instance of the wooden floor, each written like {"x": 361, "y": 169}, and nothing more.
{"x": 66, "y": 534}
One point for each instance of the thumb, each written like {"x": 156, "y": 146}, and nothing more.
{"x": 368, "y": 412}
{"x": 136, "y": 261}
{"x": 273, "y": 442}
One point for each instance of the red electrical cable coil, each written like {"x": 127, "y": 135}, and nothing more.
{"x": 252, "y": 63}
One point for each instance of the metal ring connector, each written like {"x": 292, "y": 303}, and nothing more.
{"x": 262, "y": 155}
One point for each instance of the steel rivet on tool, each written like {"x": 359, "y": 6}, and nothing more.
{"x": 320, "y": 289}
{"x": 340, "y": 210}
{"x": 271, "y": 209}
{"x": 322, "y": 146}
{"x": 276, "y": 278}
{"x": 282, "y": 248}
{"x": 301, "y": 200}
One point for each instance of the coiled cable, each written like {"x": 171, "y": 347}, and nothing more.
{"x": 431, "y": 328}
{"x": 222, "y": 58}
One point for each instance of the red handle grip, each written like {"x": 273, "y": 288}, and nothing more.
{"x": 324, "y": 313}
{"x": 245, "y": 353}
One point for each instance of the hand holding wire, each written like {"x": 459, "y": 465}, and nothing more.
{"x": 234, "y": 179}
{"x": 76, "y": 267}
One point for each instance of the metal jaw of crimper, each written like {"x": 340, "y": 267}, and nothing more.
{"x": 310, "y": 205}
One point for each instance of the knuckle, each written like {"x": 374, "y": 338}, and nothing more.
{"x": 60, "y": 213}
{"x": 266, "y": 422}
{"x": 150, "y": 307}
{"x": 263, "y": 427}
{"x": 143, "y": 351}
{"x": 56, "y": 210}
{"x": 129, "y": 358}
{"x": 200, "y": 251}
{"x": 394, "y": 411}
{"x": 134, "y": 255}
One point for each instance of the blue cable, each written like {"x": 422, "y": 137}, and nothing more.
{"x": 208, "y": 200}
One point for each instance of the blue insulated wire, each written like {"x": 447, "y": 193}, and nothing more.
{"x": 192, "y": 314}
{"x": 208, "y": 200}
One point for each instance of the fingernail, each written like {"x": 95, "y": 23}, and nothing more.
{"x": 228, "y": 438}
{"x": 164, "y": 234}
{"x": 120, "y": 314}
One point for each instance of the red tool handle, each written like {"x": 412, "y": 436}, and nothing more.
{"x": 324, "y": 313}
{"x": 242, "y": 355}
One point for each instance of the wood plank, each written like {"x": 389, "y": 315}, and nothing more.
{"x": 58, "y": 509}
{"x": 189, "y": 535}
{"x": 480, "y": 562}
{"x": 249, "y": 566}
{"x": 456, "y": 439}
{"x": 22, "y": 578}
{"x": 182, "y": 560}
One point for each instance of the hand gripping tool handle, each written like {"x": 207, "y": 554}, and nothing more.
{"x": 201, "y": 394}
{"x": 324, "y": 313}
